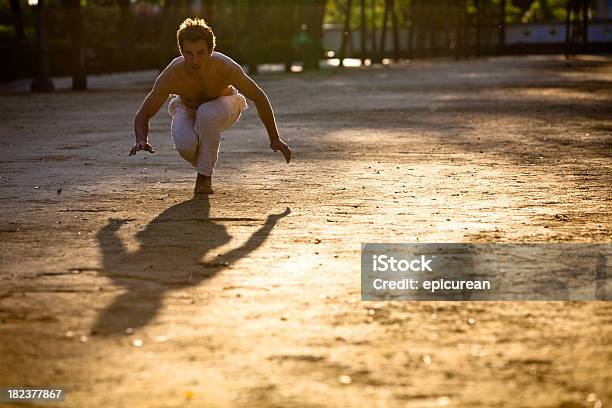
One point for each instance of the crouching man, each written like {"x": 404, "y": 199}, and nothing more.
{"x": 207, "y": 89}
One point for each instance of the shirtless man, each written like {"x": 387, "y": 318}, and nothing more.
{"x": 206, "y": 88}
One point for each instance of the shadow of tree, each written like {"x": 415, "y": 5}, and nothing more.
{"x": 169, "y": 257}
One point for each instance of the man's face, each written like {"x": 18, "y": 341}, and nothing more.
{"x": 195, "y": 53}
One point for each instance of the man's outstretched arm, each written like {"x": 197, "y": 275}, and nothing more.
{"x": 255, "y": 240}
{"x": 251, "y": 90}
{"x": 151, "y": 105}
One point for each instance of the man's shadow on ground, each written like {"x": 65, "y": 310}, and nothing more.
{"x": 172, "y": 247}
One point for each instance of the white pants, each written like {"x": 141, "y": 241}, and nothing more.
{"x": 197, "y": 133}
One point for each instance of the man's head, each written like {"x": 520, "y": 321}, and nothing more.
{"x": 196, "y": 41}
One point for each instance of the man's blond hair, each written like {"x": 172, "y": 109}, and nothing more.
{"x": 195, "y": 29}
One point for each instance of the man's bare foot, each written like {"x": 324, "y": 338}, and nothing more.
{"x": 203, "y": 185}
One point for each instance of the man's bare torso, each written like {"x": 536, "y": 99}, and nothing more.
{"x": 213, "y": 81}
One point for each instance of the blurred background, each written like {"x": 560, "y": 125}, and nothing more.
{"x": 43, "y": 38}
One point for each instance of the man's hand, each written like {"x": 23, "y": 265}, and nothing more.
{"x": 141, "y": 146}
{"x": 276, "y": 217}
{"x": 277, "y": 145}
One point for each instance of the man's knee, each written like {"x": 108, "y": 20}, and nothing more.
{"x": 187, "y": 148}
{"x": 207, "y": 119}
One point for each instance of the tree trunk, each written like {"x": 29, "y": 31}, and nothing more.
{"x": 478, "y": 5}
{"x": 290, "y": 30}
{"x": 467, "y": 25}
{"x": 576, "y": 26}
{"x": 585, "y": 25}
{"x": 125, "y": 39}
{"x": 568, "y": 12}
{"x": 167, "y": 38}
{"x": 42, "y": 82}
{"x": 395, "y": 28}
{"x": 460, "y": 45}
{"x": 72, "y": 9}
{"x": 373, "y": 38}
{"x": 208, "y": 12}
{"x": 419, "y": 29}
{"x": 253, "y": 18}
{"x": 502, "y": 26}
{"x": 362, "y": 6}
{"x": 18, "y": 20}
{"x": 314, "y": 12}
{"x": 410, "y": 39}
{"x": 383, "y": 35}
{"x": 346, "y": 31}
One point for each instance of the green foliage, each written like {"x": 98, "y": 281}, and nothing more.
{"x": 545, "y": 10}
{"x": 6, "y": 31}
{"x": 101, "y": 25}
{"x": 334, "y": 12}
{"x": 440, "y": 12}
{"x": 261, "y": 30}
{"x": 513, "y": 13}
{"x": 336, "y": 9}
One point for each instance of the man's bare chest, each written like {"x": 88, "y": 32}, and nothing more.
{"x": 196, "y": 92}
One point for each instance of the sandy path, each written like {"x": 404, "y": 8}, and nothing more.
{"x": 237, "y": 303}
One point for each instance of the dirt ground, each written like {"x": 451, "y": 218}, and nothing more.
{"x": 127, "y": 292}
